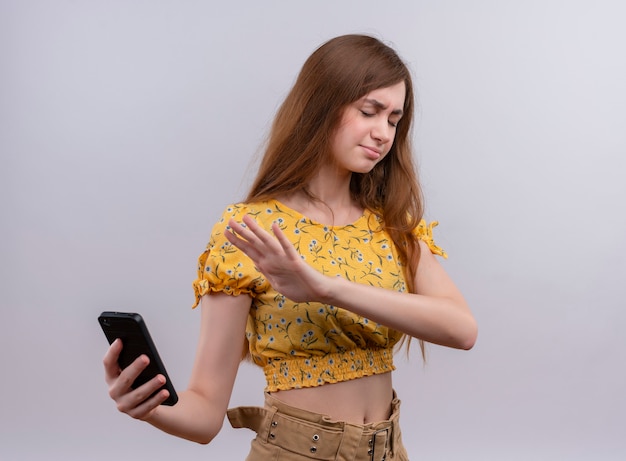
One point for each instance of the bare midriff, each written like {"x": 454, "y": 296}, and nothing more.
{"x": 359, "y": 401}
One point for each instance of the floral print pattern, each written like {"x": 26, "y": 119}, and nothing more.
{"x": 309, "y": 344}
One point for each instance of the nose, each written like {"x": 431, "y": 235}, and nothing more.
{"x": 381, "y": 131}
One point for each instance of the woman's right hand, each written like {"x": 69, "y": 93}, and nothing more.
{"x": 136, "y": 403}
{"x": 199, "y": 413}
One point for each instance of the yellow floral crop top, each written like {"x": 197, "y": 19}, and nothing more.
{"x": 309, "y": 344}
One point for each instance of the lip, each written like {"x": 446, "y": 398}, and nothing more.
{"x": 372, "y": 152}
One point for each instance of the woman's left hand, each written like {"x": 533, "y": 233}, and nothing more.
{"x": 277, "y": 259}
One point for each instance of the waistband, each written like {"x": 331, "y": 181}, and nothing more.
{"x": 318, "y": 436}
{"x": 291, "y": 372}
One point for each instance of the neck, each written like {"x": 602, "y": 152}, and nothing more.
{"x": 332, "y": 204}
{"x": 331, "y": 188}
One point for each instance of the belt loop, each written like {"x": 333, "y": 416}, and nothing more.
{"x": 350, "y": 442}
{"x": 394, "y": 440}
{"x": 270, "y": 424}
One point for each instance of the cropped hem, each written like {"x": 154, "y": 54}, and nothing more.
{"x": 312, "y": 371}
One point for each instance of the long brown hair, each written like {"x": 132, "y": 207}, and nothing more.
{"x": 338, "y": 73}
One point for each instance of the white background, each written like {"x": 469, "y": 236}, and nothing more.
{"x": 127, "y": 126}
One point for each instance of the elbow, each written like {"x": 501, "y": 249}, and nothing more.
{"x": 468, "y": 344}
{"x": 467, "y": 339}
{"x": 207, "y": 436}
{"x": 205, "y": 431}
{"x": 462, "y": 337}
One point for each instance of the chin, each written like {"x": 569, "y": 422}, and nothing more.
{"x": 364, "y": 169}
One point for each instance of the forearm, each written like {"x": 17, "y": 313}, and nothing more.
{"x": 194, "y": 418}
{"x": 437, "y": 319}
{"x": 437, "y": 313}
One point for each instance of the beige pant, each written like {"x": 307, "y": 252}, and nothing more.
{"x": 285, "y": 433}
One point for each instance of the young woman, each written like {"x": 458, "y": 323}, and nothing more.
{"x": 318, "y": 275}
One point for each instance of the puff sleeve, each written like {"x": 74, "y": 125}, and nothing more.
{"x": 224, "y": 268}
{"x": 424, "y": 232}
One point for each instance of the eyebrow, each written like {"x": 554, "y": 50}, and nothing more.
{"x": 381, "y": 106}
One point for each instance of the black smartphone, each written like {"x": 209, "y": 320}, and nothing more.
{"x": 136, "y": 340}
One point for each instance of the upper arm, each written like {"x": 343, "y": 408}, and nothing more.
{"x": 220, "y": 346}
{"x": 459, "y": 326}
{"x": 431, "y": 279}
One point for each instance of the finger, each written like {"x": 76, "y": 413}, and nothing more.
{"x": 136, "y": 397}
{"x": 144, "y": 410}
{"x": 233, "y": 236}
{"x": 127, "y": 377}
{"x": 243, "y": 230}
{"x": 141, "y": 400}
{"x": 111, "y": 366}
{"x": 258, "y": 231}
{"x": 285, "y": 243}
{"x": 251, "y": 238}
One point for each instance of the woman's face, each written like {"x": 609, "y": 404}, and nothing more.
{"x": 368, "y": 128}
